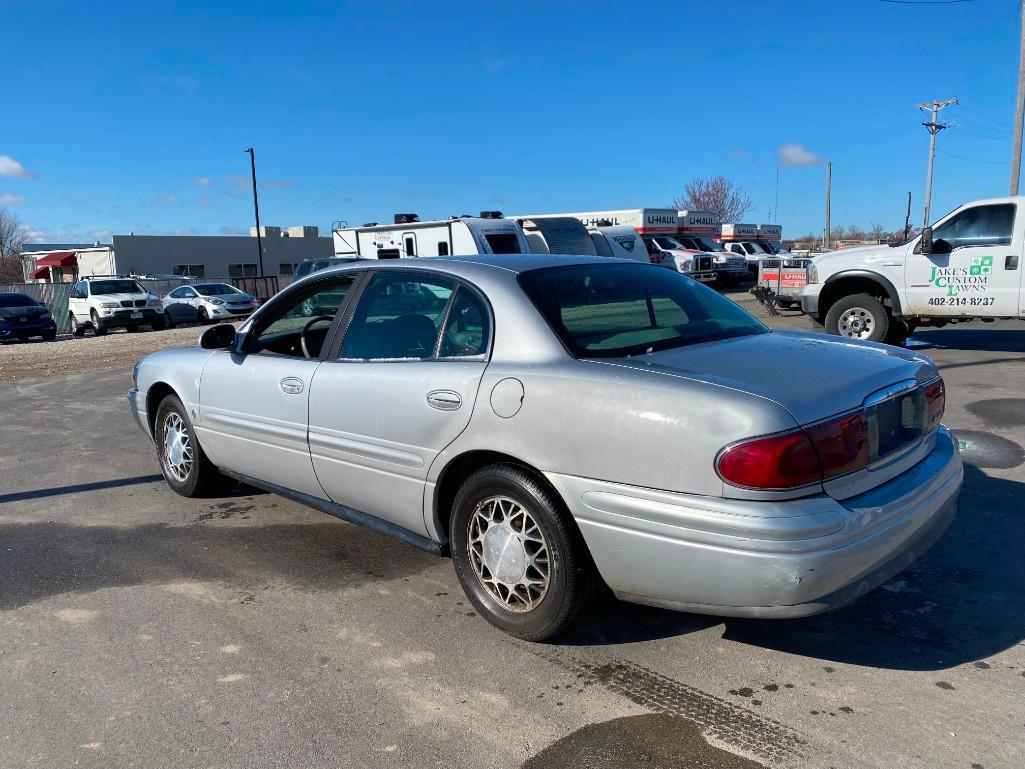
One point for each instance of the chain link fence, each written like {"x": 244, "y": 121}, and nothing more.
{"x": 55, "y": 295}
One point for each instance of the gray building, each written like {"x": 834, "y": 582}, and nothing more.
{"x": 197, "y": 256}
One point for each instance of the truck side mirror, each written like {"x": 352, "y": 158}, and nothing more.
{"x": 926, "y": 242}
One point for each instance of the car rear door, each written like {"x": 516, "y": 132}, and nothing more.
{"x": 254, "y": 404}
{"x": 400, "y": 388}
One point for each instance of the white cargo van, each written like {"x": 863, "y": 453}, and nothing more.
{"x": 490, "y": 233}
{"x": 967, "y": 266}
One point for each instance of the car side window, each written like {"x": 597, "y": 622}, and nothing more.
{"x": 178, "y": 293}
{"x": 189, "y": 293}
{"x": 398, "y": 317}
{"x": 300, "y": 319}
{"x": 468, "y": 328}
{"x": 978, "y": 226}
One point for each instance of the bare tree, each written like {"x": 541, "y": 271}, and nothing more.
{"x": 716, "y": 194}
{"x": 12, "y": 238}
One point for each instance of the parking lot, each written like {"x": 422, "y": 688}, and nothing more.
{"x": 143, "y": 629}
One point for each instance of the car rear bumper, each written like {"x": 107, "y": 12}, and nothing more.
{"x": 763, "y": 559}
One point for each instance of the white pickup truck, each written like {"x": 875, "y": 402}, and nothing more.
{"x": 965, "y": 267}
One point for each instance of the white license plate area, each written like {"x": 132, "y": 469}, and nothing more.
{"x": 136, "y": 314}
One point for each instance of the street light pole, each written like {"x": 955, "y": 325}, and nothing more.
{"x": 256, "y": 207}
{"x": 1020, "y": 115}
{"x": 827, "y": 234}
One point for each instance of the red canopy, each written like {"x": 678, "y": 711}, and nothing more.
{"x": 58, "y": 259}
{"x": 41, "y": 272}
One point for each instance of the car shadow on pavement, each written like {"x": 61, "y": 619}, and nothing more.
{"x": 961, "y": 602}
{"x": 230, "y": 489}
{"x": 42, "y": 560}
{"x": 997, "y": 340}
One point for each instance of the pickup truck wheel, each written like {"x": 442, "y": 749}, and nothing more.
{"x": 77, "y": 329}
{"x": 98, "y": 328}
{"x": 858, "y": 317}
{"x": 518, "y": 556}
{"x": 185, "y": 467}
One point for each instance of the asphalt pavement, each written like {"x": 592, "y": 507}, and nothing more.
{"x": 140, "y": 629}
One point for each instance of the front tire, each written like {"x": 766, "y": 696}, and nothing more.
{"x": 98, "y": 328}
{"x": 168, "y": 322}
{"x": 77, "y": 329}
{"x": 185, "y": 467}
{"x": 519, "y": 557}
{"x": 204, "y": 318}
{"x": 859, "y": 316}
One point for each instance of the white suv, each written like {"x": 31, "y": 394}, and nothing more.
{"x": 110, "y": 301}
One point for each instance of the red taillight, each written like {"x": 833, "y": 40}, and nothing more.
{"x": 798, "y": 458}
{"x": 841, "y": 443}
{"x": 778, "y": 462}
{"x": 935, "y": 401}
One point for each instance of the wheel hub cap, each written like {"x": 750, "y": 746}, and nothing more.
{"x": 177, "y": 448}
{"x": 509, "y": 554}
{"x": 856, "y": 322}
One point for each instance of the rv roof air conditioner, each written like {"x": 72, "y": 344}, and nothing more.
{"x": 406, "y": 218}
{"x": 491, "y": 215}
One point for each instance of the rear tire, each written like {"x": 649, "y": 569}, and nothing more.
{"x": 49, "y": 336}
{"x": 77, "y": 329}
{"x": 859, "y": 316}
{"x": 517, "y": 553}
{"x": 98, "y": 328}
{"x": 185, "y": 467}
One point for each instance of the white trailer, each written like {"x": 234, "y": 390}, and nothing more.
{"x": 556, "y": 235}
{"x": 489, "y": 233}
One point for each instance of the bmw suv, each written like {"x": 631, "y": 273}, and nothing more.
{"x": 103, "y": 302}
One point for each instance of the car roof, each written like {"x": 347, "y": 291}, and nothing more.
{"x": 469, "y": 263}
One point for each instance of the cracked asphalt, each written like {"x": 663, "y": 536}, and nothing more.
{"x": 140, "y": 629}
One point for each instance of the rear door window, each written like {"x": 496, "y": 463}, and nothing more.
{"x": 503, "y": 242}
{"x": 399, "y": 317}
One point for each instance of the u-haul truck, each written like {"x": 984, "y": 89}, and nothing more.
{"x": 700, "y": 231}
{"x": 657, "y": 228}
{"x": 742, "y": 239}
{"x": 489, "y": 233}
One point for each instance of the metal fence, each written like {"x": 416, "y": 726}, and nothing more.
{"x": 55, "y": 295}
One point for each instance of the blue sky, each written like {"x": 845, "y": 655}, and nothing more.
{"x": 133, "y": 117}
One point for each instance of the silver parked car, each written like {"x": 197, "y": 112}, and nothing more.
{"x": 552, "y": 422}
{"x": 206, "y": 302}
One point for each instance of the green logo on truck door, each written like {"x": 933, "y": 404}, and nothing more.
{"x": 971, "y": 279}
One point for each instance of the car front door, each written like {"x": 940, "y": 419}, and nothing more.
{"x": 399, "y": 390}
{"x": 975, "y": 266}
{"x": 254, "y": 403}
{"x": 179, "y": 307}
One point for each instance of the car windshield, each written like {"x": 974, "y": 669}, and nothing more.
{"x": 17, "y": 300}
{"x": 668, "y": 243}
{"x": 708, "y": 244}
{"x": 602, "y": 311}
{"x": 115, "y": 287}
{"x": 216, "y": 289}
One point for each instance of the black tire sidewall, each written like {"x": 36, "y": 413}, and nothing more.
{"x": 566, "y": 585}
{"x": 870, "y": 303}
{"x": 191, "y": 486}
{"x": 98, "y": 328}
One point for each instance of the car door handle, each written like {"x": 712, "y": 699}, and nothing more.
{"x": 445, "y": 400}
{"x": 292, "y": 385}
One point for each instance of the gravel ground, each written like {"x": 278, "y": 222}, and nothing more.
{"x": 121, "y": 350}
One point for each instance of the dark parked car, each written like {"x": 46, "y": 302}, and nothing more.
{"x": 22, "y": 317}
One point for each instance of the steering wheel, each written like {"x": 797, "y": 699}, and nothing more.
{"x": 306, "y": 330}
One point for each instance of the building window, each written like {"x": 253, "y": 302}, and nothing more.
{"x": 286, "y": 269}
{"x": 189, "y": 270}
{"x": 245, "y": 270}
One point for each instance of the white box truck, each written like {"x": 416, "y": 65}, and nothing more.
{"x": 965, "y": 267}
{"x": 700, "y": 231}
{"x": 742, "y": 239}
{"x": 489, "y": 233}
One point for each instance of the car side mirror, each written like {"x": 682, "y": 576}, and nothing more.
{"x": 219, "y": 337}
{"x": 926, "y": 242}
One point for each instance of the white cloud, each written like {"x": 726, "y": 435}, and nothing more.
{"x": 277, "y": 184}
{"x": 203, "y": 200}
{"x": 202, "y": 181}
{"x": 237, "y": 185}
{"x": 794, "y": 155}
{"x": 165, "y": 200}
{"x": 10, "y": 199}
{"x": 226, "y": 230}
{"x": 11, "y": 167}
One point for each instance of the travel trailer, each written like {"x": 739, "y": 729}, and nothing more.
{"x": 489, "y": 233}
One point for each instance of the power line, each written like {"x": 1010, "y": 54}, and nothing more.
{"x": 972, "y": 160}
{"x": 984, "y": 116}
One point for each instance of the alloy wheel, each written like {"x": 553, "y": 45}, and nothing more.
{"x": 177, "y": 448}
{"x": 857, "y": 322}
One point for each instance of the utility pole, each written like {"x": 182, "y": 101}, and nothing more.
{"x": 907, "y": 218}
{"x": 934, "y": 128}
{"x": 775, "y": 206}
{"x": 829, "y": 185}
{"x": 256, "y": 207}
{"x": 1019, "y": 119}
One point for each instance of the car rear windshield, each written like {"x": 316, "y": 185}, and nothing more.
{"x": 216, "y": 289}
{"x": 603, "y": 311}
{"x": 115, "y": 287}
{"x": 17, "y": 300}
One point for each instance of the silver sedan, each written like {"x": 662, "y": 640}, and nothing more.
{"x": 555, "y": 423}
{"x": 206, "y": 302}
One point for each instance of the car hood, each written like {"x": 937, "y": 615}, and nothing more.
{"x": 121, "y": 297}
{"x": 813, "y": 376}
{"x": 13, "y": 313}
